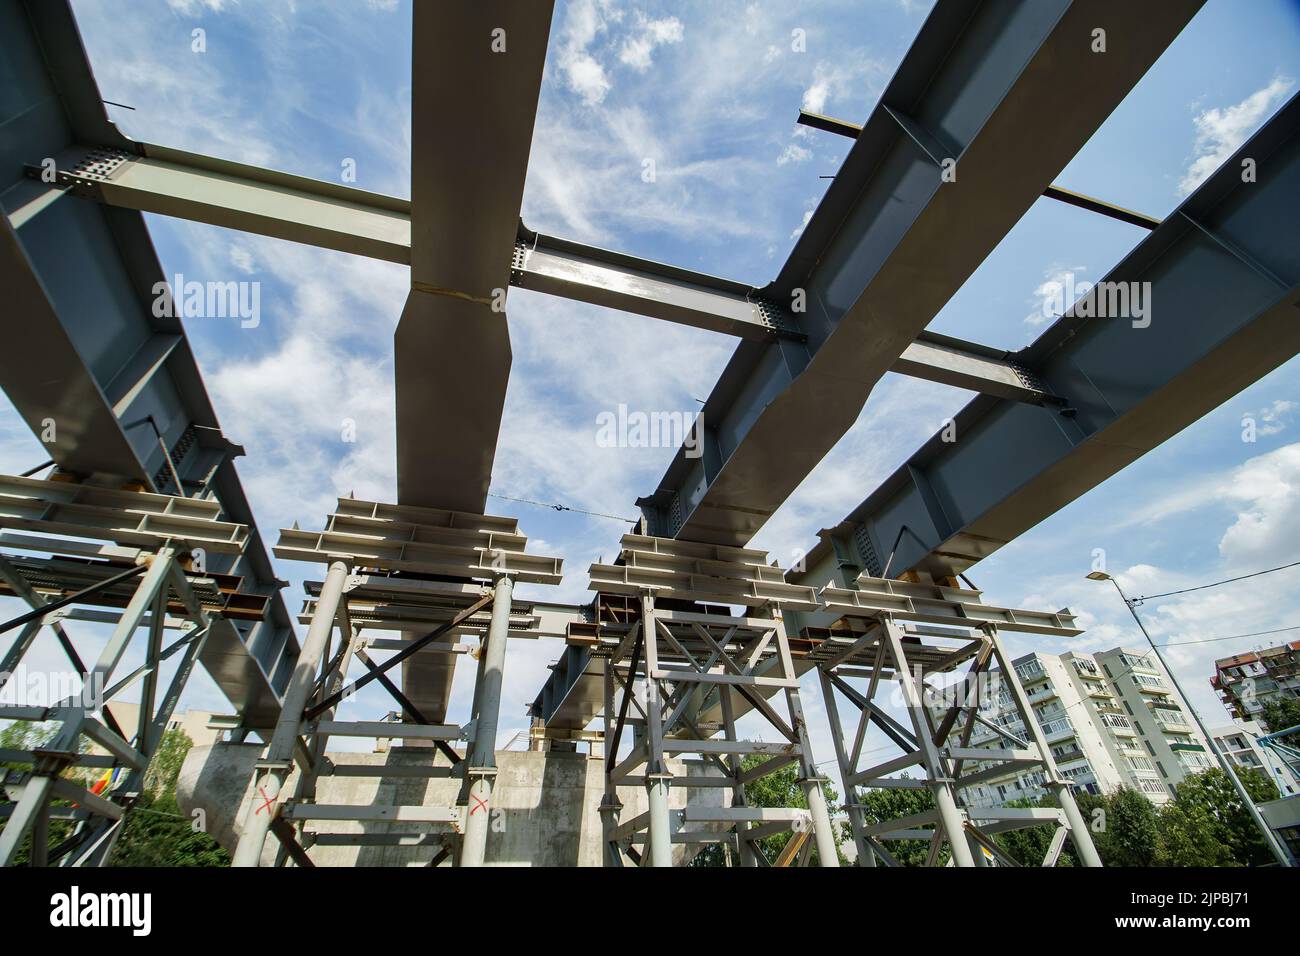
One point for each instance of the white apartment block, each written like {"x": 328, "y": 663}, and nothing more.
{"x": 1162, "y": 718}
{"x": 1111, "y": 720}
{"x": 194, "y": 723}
{"x": 1237, "y": 742}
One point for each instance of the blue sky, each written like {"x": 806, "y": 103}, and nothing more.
{"x": 709, "y": 92}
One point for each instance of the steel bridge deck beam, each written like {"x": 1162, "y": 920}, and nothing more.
{"x": 1224, "y": 286}
{"x": 93, "y": 358}
{"x": 900, "y": 229}
{"x": 264, "y": 202}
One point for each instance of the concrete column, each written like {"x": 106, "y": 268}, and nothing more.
{"x": 483, "y": 763}
{"x": 278, "y": 761}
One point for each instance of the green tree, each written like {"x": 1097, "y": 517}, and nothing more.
{"x": 879, "y": 806}
{"x": 1206, "y": 823}
{"x": 156, "y": 832}
{"x": 1129, "y": 831}
{"x": 779, "y": 789}
{"x": 1282, "y": 713}
{"x": 1028, "y": 846}
{"x": 23, "y": 735}
{"x": 27, "y": 736}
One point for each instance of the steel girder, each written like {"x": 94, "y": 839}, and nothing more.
{"x": 119, "y": 383}
{"x": 1007, "y": 92}
{"x": 1224, "y": 289}
{"x": 1222, "y": 266}
{"x": 469, "y": 157}
{"x": 191, "y": 186}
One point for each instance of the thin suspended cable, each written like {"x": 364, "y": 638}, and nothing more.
{"x": 557, "y": 507}
{"x": 1215, "y": 584}
{"x": 1231, "y": 637}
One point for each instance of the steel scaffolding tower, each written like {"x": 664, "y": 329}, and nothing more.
{"x": 423, "y": 567}
{"x": 890, "y": 631}
{"x": 677, "y": 655}
{"x": 978, "y": 72}
{"x": 150, "y": 571}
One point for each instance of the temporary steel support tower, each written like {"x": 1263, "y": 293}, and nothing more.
{"x": 678, "y": 646}
{"x": 409, "y": 554}
{"x": 896, "y": 632}
{"x": 150, "y": 565}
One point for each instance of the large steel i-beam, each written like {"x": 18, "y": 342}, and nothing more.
{"x": 110, "y": 385}
{"x": 1221, "y": 281}
{"x": 991, "y": 102}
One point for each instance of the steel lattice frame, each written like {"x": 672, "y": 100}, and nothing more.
{"x": 409, "y": 553}
{"x": 695, "y": 663}
{"x": 871, "y": 644}
{"x": 160, "y": 587}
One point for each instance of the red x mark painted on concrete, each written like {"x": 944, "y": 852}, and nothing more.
{"x": 270, "y": 802}
{"x": 479, "y": 804}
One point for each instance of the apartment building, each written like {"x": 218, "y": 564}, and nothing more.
{"x": 1236, "y": 741}
{"x": 1111, "y": 720}
{"x": 194, "y": 723}
{"x": 1247, "y": 681}
{"x": 1161, "y": 717}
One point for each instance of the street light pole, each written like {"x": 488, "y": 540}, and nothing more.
{"x": 1269, "y": 837}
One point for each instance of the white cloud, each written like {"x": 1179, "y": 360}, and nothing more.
{"x": 1272, "y": 418}
{"x": 1268, "y": 490}
{"x": 192, "y": 7}
{"x": 1262, "y": 498}
{"x": 794, "y": 153}
{"x": 583, "y": 22}
{"x": 1220, "y": 131}
{"x": 637, "y": 49}
{"x": 803, "y": 224}
{"x": 242, "y": 259}
{"x": 814, "y": 98}
{"x": 1057, "y": 279}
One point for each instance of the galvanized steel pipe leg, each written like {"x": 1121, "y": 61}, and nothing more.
{"x": 950, "y": 818}
{"x": 482, "y": 767}
{"x": 1079, "y": 833}
{"x": 823, "y": 832}
{"x": 661, "y": 840}
{"x": 267, "y": 786}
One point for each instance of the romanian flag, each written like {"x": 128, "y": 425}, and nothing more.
{"x": 107, "y": 781}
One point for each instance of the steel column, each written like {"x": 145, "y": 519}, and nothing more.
{"x": 482, "y": 766}
{"x": 1058, "y": 785}
{"x": 277, "y": 763}
{"x": 938, "y": 778}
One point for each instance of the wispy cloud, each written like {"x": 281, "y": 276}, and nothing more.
{"x": 1057, "y": 278}
{"x": 1219, "y": 131}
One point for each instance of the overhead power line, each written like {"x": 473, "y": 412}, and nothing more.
{"x": 1232, "y": 637}
{"x": 558, "y": 507}
{"x": 1215, "y": 584}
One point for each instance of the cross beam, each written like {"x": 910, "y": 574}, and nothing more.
{"x": 264, "y": 202}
